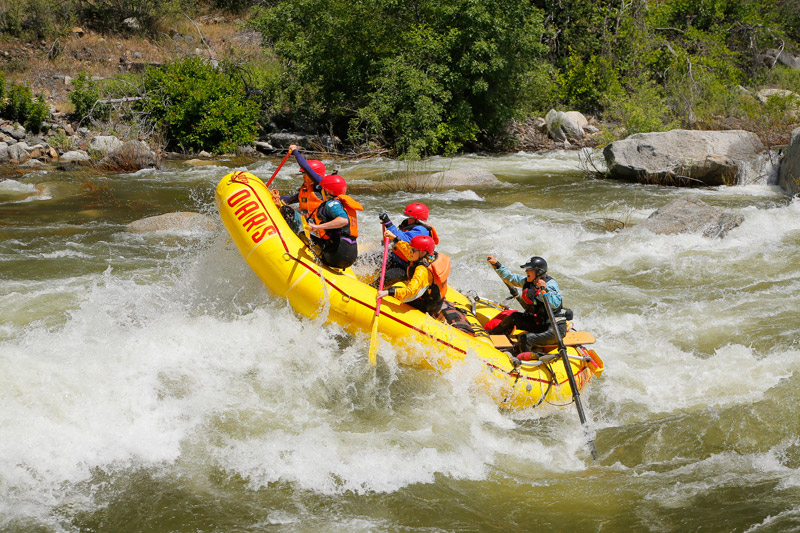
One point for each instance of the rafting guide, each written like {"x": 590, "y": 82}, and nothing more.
{"x": 536, "y": 286}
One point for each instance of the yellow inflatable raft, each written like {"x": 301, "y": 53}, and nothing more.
{"x": 289, "y": 269}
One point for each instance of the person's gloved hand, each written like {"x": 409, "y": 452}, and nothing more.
{"x": 384, "y": 219}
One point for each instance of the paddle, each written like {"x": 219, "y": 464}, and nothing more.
{"x": 373, "y": 341}
{"x": 576, "y": 395}
{"x": 279, "y": 167}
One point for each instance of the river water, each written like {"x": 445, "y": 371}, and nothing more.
{"x": 149, "y": 382}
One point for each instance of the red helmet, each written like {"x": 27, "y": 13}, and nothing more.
{"x": 417, "y": 210}
{"x": 334, "y": 184}
{"x": 316, "y": 165}
{"x": 424, "y": 243}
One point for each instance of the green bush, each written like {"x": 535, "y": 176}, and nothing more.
{"x": 199, "y": 107}
{"x": 36, "y": 19}
{"x": 641, "y": 109}
{"x": 21, "y": 106}
{"x": 585, "y": 83}
{"x": 84, "y": 96}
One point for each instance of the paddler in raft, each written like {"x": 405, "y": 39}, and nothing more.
{"x": 536, "y": 285}
{"x": 427, "y": 274}
{"x": 309, "y": 196}
{"x": 415, "y": 224}
{"x": 334, "y": 223}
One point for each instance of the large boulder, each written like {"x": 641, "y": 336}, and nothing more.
{"x": 682, "y": 157}
{"x": 464, "y": 178}
{"x": 691, "y": 215}
{"x": 561, "y": 126}
{"x": 75, "y": 156}
{"x": 180, "y": 221}
{"x": 19, "y": 152}
{"x": 789, "y": 171}
{"x": 130, "y": 157}
{"x": 104, "y": 143}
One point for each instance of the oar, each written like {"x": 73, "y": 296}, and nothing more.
{"x": 373, "y": 341}
{"x": 576, "y": 395}
{"x": 279, "y": 167}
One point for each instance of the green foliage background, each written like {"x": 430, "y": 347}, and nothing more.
{"x": 434, "y": 77}
{"x": 419, "y": 76}
{"x": 423, "y": 77}
{"x": 200, "y": 107}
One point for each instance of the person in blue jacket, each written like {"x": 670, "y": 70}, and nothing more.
{"x": 536, "y": 285}
{"x": 415, "y": 225}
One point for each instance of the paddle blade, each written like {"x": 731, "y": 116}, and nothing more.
{"x": 373, "y": 343}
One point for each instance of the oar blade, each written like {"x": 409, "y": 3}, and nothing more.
{"x": 373, "y": 343}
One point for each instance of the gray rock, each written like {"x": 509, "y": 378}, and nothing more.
{"x": 4, "y": 157}
{"x": 578, "y": 118}
{"x": 18, "y": 152}
{"x": 104, "y": 143}
{"x": 17, "y": 132}
{"x": 442, "y": 181}
{"x": 131, "y": 156}
{"x": 682, "y": 157}
{"x": 281, "y": 141}
{"x": 690, "y": 215}
{"x": 180, "y": 221}
{"x": 789, "y": 171}
{"x": 773, "y": 55}
{"x": 561, "y": 127}
{"x": 263, "y": 146}
{"x": 75, "y": 156}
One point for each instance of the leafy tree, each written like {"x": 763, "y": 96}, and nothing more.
{"x": 199, "y": 107}
{"x": 421, "y": 75}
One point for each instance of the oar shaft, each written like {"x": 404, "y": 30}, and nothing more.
{"x": 279, "y": 167}
{"x": 576, "y": 396}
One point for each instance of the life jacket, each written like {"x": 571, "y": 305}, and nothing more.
{"x": 405, "y": 225}
{"x": 320, "y": 216}
{"x": 536, "y": 307}
{"x": 308, "y": 198}
{"x": 439, "y": 266}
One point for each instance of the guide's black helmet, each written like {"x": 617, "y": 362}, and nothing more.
{"x": 537, "y": 264}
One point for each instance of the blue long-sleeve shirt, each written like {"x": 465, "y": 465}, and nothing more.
{"x": 309, "y": 171}
{"x": 553, "y": 292}
{"x": 406, "y": 236}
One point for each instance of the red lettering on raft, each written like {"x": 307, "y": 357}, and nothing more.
{"x": 238, "y": 196}
{"x": 269, "y": 230}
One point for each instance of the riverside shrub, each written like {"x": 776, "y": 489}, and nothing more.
{"x": 199, "y": 107}
{"x": 84, "y": 96}
{"x": 21, "y": 106}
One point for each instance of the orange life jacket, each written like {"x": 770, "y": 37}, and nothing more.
{"x": 309, "y": 201}
{"x": 439, "y": 267}
{"x": 350, "y": 206}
